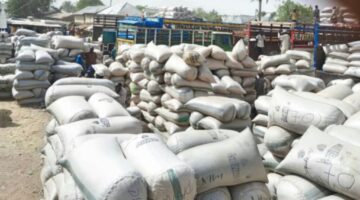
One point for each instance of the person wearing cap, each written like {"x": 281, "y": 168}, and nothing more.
{"x": 284, "y": 38}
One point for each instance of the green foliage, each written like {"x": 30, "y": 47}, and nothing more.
{"x": 25, "y": 8}
{"x": 284, "y": 12}
{"x": 68, "y": 6}
{"x": 212, "y": 16}
{"x": 85, "y": 3}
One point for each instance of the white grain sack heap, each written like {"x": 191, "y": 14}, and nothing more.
{"x": 62, "y": 69}
{"x": 318, "y": 152}
{"x": 68, "y": 47}
{"x": 292, "y": 62}
{"x": 7, "y": 77}
{"x": 230, "y": 163}
{"x": 31, "y": 76}
{"x": 75, "y": 131}
{"x": 343, "y": 59}
{"x": 214, "y": 112}
{"x": 6, "y": 48}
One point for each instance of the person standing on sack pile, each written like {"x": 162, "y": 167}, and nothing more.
{"x": 90, "y": 59}
{"x": 294, "y": 16}
{"x": 316, "y": 14}
{"x": 260, "y": 42}
{"x": 284, "y": 38}
{"x": 334, "y": 15}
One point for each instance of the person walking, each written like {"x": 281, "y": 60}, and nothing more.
{"x": 284, "y": 38}
{"x": 260, "y": 42}
{"x": 79, "y": 60}
{"x": 316, "y": 14}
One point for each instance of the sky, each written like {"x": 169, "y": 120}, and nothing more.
{"x": 230, "y": 7}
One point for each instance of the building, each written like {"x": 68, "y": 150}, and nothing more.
{"x": 123, "y": 9}
{"x": 38, "y": 25}
{"x": 86, "y": 15}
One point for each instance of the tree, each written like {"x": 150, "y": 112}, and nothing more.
{"x": 212, "y": 16}
{"x": 259, "y": 11}
{"x": 25, "y": 8}
{"x": 68, "y": 6}
{"x": 306, "y": 14}
{"x": 85, "y": 3}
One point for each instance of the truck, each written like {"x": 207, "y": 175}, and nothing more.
{"x": 306, "y": 37}
{"x": 139, "y": 30}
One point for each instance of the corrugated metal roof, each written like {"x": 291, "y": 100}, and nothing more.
{"x": 41, "y": 23}
{"x": 90, "y": 10}
{"x": 123, "y": 9}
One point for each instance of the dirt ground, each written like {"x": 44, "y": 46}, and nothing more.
{"x": 21, "y": 140}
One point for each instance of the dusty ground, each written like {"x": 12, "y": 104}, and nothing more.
{"x": 21, "y": 139}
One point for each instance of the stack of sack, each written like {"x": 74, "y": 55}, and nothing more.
{"x": 344, "y": 16}
{"x": 232, "y": 172}
{"x": 31, "y": 76}
{"x": 153, "y": 64}
{"x": 234, "y": 73}
{"x": 41, "y": 40}
{"x": 69, "y": 47}
{"x": 7, "y": 77}
{"x": 292, "y": 83}
{"x": 175, "y": 13}
{"x": 186, "y": 76}
{"x": 62, "y": 69}
{"x": 131, "y": 58}
{"x": 118, "y": 73}
{"x": 6, "y": 48}
{"x": 343, "y": 59}
{"x": 291, "y": 118}
{"x": 216, "y": 112}
{"x": 73, "y": 141}
{"x": 243, "y": 70}
{"x": 292, "y": 62}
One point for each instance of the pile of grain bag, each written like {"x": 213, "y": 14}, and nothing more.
{"x": 234, "y": 73}
{"x": 175, "y": 13}
{"x": 216, "y": 112}
{"x": 343, "y": 59}
{"x": 284, "y": 117}
{"x": 86, "y": 129}
{"x": 31, "y": 76}
{"x": 292, "y": 62}
{"x": 151, "y": 87}
{"x": 6, "y": 47}
{"x": 69, "y": 47}
{"x": 7, "y": 76}
{"x": 231, "y": 172}
{"x": 243, "y": 70}
{"x": 343, "y": 16}
{"x": 187, "y": 76}
{"x": 62, "y": 69}
{"x": 41, "y": 40}
{"x": 118, "y": 73}
{"x": 134, "y": 79}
